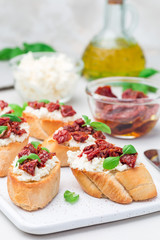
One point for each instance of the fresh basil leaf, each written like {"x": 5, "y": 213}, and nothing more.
{"x": 138, "y": 87}
{"x": 30, "y": 156}
{"x": 147, "y": 72}
{"x": 61, "y": 103}
{"x": 43, "y": 148}
{"x": 129, "y": 149}
{"x": 37, "y": 47}
{"x": 12, "y": 117}
{"x": 5, "y": 54}
{"x": 35, "y": 144}
{"x": 44, "y": 101}
{"x": 111, "y": 162}
{"x": 25, "y": 104}
{"x": 15, "y": 52}
{"x": 3, "y": 128}
{"x": 17, "y": 109}
{"x": 98, "y": 126}
{"x": 87, "y": 120}
{"x": 71, "y": 197}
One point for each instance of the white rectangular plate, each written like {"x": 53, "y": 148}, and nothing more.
{"x": 60, "y": 215}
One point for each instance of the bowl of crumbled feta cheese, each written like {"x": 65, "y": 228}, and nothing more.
{"x": 46, "y": 75}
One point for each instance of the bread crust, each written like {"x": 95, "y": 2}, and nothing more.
{"x": 8, "y": 154}
{"x": 42, "y": 128}
{"x": 134, "y": 184}
{"x": 33, "y": 195}
{"x": 60, "y": 149}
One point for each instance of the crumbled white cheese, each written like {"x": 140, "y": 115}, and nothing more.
{"x": 49, "y": 77}
{"x": 16, "y": 138}
{"x": 5, "y": 110}
{"x": 95, "y": 165}
{"x": 56, "y": 115}
{"x": 39, "y": 172}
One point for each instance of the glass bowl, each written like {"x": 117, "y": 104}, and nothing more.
{"x": 127, "y": 118}
{"x": 46, "y": 75}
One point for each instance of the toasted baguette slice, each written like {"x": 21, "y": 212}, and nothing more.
{"x": 135, "y": 184}
{"x": 33, "y": 195}
{"x": 8, "y": 154}
{"x": 42, "y": 128}
{"x": 60, "y": 150}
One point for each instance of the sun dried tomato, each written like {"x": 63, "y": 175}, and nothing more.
{"x": 52, "y": 106}
{"x": 99, "y": 135}
{"x": 4, "y": 121}
{"x": 62, "y": 136}
{"x": 36, "y": 105}
{"x": 131, "y": 94}
{"x": 67, "y": 110}
{"x": 105, "y": 91}
{"x": 80, "y": 136}
{"x": 29, "y": 166}
{"x": 15, "y": 127}
{"x": 44, "y": 156}
{"x": 80, "y": 122}
{"x": 3, "y": 104}
{"x": 129, "y": 159}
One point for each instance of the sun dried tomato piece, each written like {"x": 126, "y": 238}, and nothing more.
{"x": 52, "y": 106}
{"x": 4, "y": 121}
{"x": 129, "y": 159}
{"x": 29, "y": 166}
{"x": 15, "y": 126}
{"x": 29, "y": 148}
{"x": 44, "y": 156}
{"x": 3, "y": 104}
{"x": 131, "y": 94}
{"x": 62, "y": 136}
{"x": 67, "y": 110}
{"x": 80, "y": 136}
{"x": 99, "y": 135}
{"x": 36, "y": 105}
{"x": 105, "y": 91}
{"x": 80, "y": 122}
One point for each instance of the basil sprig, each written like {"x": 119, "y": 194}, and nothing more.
{"x": 3, "y": 128}
{"x": 147, "y": 72}
{"x": 98, "y": 126}
{"x": 71, "y": 197}
{"x": 44, "y": 101}
{"x": 17, "y": 109}
{"x": 12, "y": 117}
{"x": 112, "y": 162}
{"x": 35, "y": 144}
{"x": 25, "y": 157}
{"x": 46, "y": 149}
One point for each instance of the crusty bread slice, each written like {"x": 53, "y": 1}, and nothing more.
{"x": 42, "y": 128}
{"x": 134, "y": 184}
{"x": 33, "y": 195}
{"x": 8, "y": 154}
{"x": 60, "y": 150}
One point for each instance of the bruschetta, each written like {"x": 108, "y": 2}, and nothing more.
{"x": 127, "y": 181}
{"x": 33, "y": 178}
{"x": 71, "y": 137}
{"x": 14, "y": 135}
{"x": 46, "y": 117}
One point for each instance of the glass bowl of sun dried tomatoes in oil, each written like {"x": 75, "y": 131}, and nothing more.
{"x": 129, "y": 106}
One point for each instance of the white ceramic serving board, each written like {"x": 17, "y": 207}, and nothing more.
{"x": 60, "y": 215}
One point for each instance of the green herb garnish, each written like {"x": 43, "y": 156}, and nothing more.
{"x": 3, "y": 128}
{"x": 147, "y": 72}
{"x": 25, "y": 104}
{"x": 17, "y": 109}
{"x": 12, "y": 117}
{"x": 138, "y": 87}
{"x": 9, "y": 53}
{"x": 98, "y": 126}
{"x": 43, "y": 148}
{"x": 71, "y": 197}
{"x": 35, "y": 144}
{"x": 30, "y": 156}
{"x": 61, "y": 103}
{"x": 44, "y": 101}
{"x": 112, "y": 162}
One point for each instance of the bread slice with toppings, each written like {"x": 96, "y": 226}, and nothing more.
{"x": 128, "y": 181}
{"x": 46, "y": 118}
{"x": 33, "y": 187}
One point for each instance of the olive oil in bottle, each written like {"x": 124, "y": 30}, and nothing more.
{"x": 113, "y": 52}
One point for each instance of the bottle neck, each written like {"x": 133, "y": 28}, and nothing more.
{"x": 113, "y": 17}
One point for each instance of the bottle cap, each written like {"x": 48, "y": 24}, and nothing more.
{"x": 115, "y": 1}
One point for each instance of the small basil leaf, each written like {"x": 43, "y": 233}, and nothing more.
{"x": 98, "y": 126}
{"x": 35, "y": 144}
{"x": 44, "y": 101}
{"x": 5, "y": 54}
{"x": 15, "y": 52}
{"x": 25, "y": 104}
{"x": 46, "y": 149}
{"x": 71, "y": 197}
{"x": 87, "y": 120}
{"x": 147, "y": 72}
{"x": 17, "y": 109}
{"x": 3, "y": 128}
{"x": 12, "y": 117}
{"x": 37, "y": 47}
{"x": 110, "y": 162}
{"x": 129, "y": 149}
{"x": 30, "y": 156}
